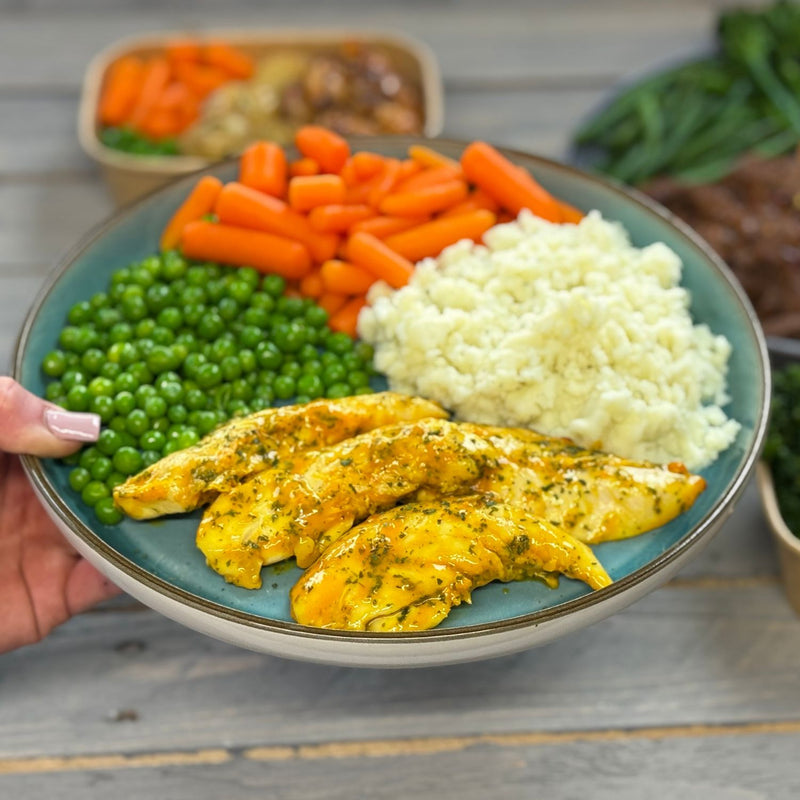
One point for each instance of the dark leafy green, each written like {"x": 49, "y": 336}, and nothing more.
{"x": 695, "y": 121}
{"x": 782, "y": 447}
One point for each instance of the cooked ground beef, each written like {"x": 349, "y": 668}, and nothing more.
{"x": 752, "y": 219}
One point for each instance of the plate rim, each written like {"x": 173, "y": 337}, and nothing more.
{"x": 620, "y": 589}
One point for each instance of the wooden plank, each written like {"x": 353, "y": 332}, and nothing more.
{"x": 756, "y": 761}
{"x": 719, "y": 655}
{"x": 604, "y": 40}
{"x": 41, "y": 220}
{"x": 38, "y": 136}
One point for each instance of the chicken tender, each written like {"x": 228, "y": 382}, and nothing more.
{"x": 297, "y": 509}
{"x": 404, "y": 569}
{"x": 187, "y": 479}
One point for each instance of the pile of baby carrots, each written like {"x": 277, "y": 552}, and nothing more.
{"x": 160, "y": 96}
{"x": 333, "y": 222}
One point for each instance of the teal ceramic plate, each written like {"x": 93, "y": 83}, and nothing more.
{"x": 157, "y": 562}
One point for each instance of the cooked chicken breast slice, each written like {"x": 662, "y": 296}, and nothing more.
{"x": 404, "y": 569}
{"x": 192, "y": 477}
{"x": 298, "y": 508}
{"x": 594, "y": 496}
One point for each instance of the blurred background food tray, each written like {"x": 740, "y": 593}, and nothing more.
{"x": 130, "y": 175}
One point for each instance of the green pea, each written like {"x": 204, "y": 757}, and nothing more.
{"x": 247, "y": 359}
{"x": 106, "y": 512}
{"x": 250, "y": 336}
{"x": 106, "y": 318}
{"x": 357, "y": 378}
{"x": 274, "y": 285}
{"x": 127, "y": 460}
{"x": 80, "y": 313}
{"x": 170, "y": 317}
{"x": 152, "y": 440}
{"x": 100, "y": 469}
{"x": 78, "y": 398}
{"x": 339, "y": 343}
{"x": 316, "y": 316}
{"x": 310, "y": 385}
{"x": 79, "y": 477}
{"x": 53, "y": 390}
{"x": 154, "y": 407}
{"x": 209, "y": 375}
{"x": 103, "y": 406}
{"x": 334, "y": 373}
{"x": 337, "y": 390}
{"x": 138, "y": 421}
{"x": 88, "y": 456}
{"x": 93, "y": 492}
{"x": 228, "y": 308}
{"x": 149, "y": 457}
{"x": 195, "y": 399}
{"x": 284, "y": 387}
{"x": 121, "y": 332}
{"x": 290, "y": 306}
{"x": 54, "y": 364}
{"x": 173, "y": 265}
{"x": 268, "y": 356}
{"x": 262, "y": 300}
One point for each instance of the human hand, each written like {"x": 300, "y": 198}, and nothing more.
{"x": 43, "y": 581}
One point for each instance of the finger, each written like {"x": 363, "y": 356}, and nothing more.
{"x": 32, "y": 425}
{"x": 87, "y": 587}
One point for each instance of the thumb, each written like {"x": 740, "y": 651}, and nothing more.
{"x": 31, "y": 425}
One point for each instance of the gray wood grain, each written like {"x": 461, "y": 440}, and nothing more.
{"x": 682, "y": 765}
{"x": 725, "y": 654}
{"x": 602, "y": 40}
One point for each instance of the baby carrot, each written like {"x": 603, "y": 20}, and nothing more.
{"x": 240, "y": 205}
{"x": 303, "y": 166}
{"x": 512, "y": 187}
{"x": 201, "y": 201}
{"x": 182, "y": 50}
{"x": 229, "y": 59}
{"x": 226, "y": 244}
{"x": 327, "y": 148}
{"x": 263, "y": 166}
{"x": 383, "y": 226}
{"x": 338, "y": 218}
{"x": 307, "y": 192}
{"x": 384, "y": 182}
{"x": 430, "y": 177}
{"x": 428, "y": 157}
{"x": 367, "y": 251}
{"x": 345, "y": 319}
{"x": 311, "y": 285}
{"x": 342, "y": 277}
{"x": 476, "y": 199}
{"x": 430, "y": 238}
{"x": 154, "y": 81}
{"x": 201, "y": 79}
{"x": 427, "y": 200}
{"x": 331, "y": 301}
{"x": 120, "y": 90}
{"x": 367, "y": 164}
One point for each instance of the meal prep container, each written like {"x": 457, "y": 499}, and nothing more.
{"x": 129, "y": 176}
{"x": 782, "y": 353}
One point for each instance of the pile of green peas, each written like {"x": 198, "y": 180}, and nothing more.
{"x": 174, "y": 348}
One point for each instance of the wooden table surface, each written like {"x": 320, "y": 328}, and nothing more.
{"x": 693, "y": 692}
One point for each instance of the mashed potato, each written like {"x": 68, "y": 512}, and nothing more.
{"x": 566, "y": 329}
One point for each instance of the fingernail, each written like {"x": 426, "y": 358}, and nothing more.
{"x": 72, "y": 425}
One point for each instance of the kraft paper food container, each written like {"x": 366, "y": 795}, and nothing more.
{"x": 782, "y": 352}
{"x": 129, "y": 176}
{"x": 786, "y": 542}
